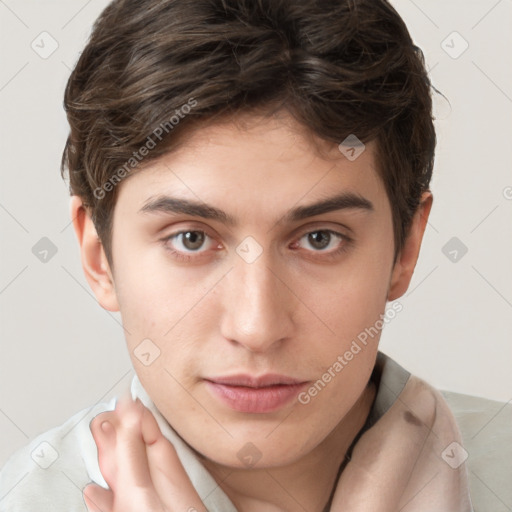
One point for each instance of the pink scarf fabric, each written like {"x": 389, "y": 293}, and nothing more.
{"x": 410, "y": 460}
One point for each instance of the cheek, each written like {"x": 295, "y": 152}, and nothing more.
{"x": 352, "y": 297}
{"x": 161, "y": 316}
{"x": 151, "y": 298}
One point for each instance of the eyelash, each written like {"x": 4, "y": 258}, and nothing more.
{"x": 180, "y": 256}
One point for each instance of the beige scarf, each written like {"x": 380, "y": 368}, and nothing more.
{"x": 410, "y": 460}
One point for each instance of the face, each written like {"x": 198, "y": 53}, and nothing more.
{"x": 220, "y": 261}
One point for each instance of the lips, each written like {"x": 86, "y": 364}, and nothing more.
{"x": 271, "y": 379}
{"x": 250, "y": 394}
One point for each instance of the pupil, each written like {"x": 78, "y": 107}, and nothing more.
{"x": 324, "y": 236}
{"x": 193, "y": 239}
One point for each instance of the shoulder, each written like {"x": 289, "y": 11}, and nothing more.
{"x": 421, "y": 426}
{"x": 50, "y": 472}
{"x": 404, "y": 461}
{"x": 418, "y": 401}
{"x": 439, "y": 478}
{"x": 422, "y": 402}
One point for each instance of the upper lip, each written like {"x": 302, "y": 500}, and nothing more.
{"x": 250, "y": 381}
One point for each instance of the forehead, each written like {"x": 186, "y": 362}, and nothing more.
{"x": 258, "y": 163}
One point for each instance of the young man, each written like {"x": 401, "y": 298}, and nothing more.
{"x": 250, "y": 188}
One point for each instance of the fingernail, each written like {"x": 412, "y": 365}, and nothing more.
{"x": 107, "y": 427}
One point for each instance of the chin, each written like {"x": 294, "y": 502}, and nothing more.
{"x": 247, "y": 454}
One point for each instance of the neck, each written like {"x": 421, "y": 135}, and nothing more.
{"x": 304, "y": 485}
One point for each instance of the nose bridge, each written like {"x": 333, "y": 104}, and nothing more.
{"x": 258, "y": 310}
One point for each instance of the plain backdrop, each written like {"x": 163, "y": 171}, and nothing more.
{"x": 60, "y": 352}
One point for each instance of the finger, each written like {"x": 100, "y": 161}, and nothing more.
{"x": 131, "y": 457}
{"x": 104, "y": 436}
{"x": 132, "y": 485}
{"x": 98, "y": 499}
{"x": 170, "y": 480}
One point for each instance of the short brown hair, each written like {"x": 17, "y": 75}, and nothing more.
{"x": 339, "y": 67}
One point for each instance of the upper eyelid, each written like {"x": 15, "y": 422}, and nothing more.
{"x": 318, "y": 225}
{"x": 300, "y": 233}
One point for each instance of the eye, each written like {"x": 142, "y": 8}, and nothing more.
{"x": 184, "y": 244}
{"x": 191, "y": 240}
{"x": 326, "y": 240}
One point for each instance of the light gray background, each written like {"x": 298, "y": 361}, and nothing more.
{"x": 60, "y": 352}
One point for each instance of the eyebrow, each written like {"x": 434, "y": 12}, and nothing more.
{"x": 174, "y": 205}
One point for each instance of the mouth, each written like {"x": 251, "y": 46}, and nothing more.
{"x": 250, "y": 394}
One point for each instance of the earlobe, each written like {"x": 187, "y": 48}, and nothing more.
{"x": 94, "y": 261}
{"x": 406, "y": 261}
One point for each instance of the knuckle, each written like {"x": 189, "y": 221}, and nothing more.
{"x": 130, "y": 418}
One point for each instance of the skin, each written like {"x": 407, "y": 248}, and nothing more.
{"x": 292, "y": 311}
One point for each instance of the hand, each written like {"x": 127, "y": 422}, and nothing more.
{"x": 139, "y": 464}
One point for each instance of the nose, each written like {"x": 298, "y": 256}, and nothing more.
{"x": 258, "y": 305}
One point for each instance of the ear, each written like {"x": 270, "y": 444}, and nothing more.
{"x": 94, "y": 261}
{"x": 408, "y": 256}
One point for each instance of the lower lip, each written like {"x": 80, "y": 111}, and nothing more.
{"x": 255, "y": 400}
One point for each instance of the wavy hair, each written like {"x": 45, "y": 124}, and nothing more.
{"x": 339, "y": 67}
